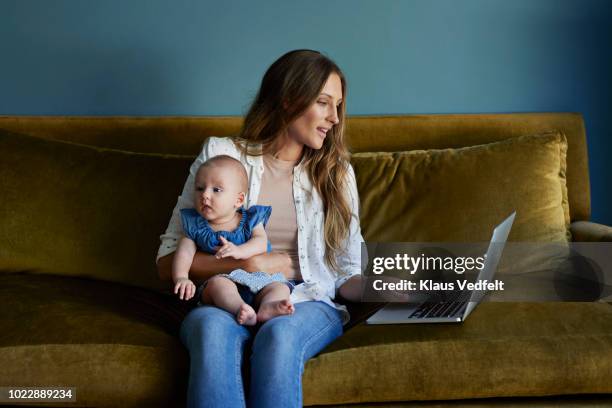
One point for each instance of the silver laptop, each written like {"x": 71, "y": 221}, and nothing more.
{"x": 458, "y": 306}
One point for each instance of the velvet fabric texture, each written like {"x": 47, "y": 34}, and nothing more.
{"x": 459, "y": 195}
{"x": 79, "y": 230}
{"x": 389, "y": 133}
{"x": 503, "y": 349}
{"x": 118, "y": 345}
{"x": 75, "y": 210}
{"x": 585, "y": 231}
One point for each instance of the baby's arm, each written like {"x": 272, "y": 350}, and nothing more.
{"x": 258, "y": 244}
{"x": 181, "y": 264}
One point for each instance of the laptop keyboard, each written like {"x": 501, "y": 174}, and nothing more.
{"x": 446, "y": 308}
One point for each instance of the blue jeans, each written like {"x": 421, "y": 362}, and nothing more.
{"x": 278, "y": 351}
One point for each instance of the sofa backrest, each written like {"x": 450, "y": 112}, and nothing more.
{"x": 184, "y": 135}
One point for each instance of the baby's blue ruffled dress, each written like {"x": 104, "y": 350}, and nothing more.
{"x": 197, "y": 229}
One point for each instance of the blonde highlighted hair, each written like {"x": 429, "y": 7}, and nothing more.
{"x": 289, "y": 87}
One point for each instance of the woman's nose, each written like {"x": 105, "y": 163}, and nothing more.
{"x": 333, "y": 116}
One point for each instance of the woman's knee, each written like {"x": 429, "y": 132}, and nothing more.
{"x": 307, "y": 331}
{"x": 204, "y": 326}
{"x": 278, "y": 335}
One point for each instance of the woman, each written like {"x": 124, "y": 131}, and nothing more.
{"x": 293, "y": 149}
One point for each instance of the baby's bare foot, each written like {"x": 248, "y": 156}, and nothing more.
{"x": 246, "y": 315}
{"x": 272, "y": 309}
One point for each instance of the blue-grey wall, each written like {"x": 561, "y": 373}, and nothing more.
{"x": 162, "y": 57}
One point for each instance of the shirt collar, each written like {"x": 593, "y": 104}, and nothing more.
{"x": 301, "y": 176}
{"x": 257, "y": 159}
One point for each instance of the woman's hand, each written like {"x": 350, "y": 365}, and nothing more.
{"x": 271, "y": 263}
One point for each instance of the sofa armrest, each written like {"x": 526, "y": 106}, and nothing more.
{"x": 586, "y": 231}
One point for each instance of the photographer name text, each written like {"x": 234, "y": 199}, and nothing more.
{"x": 430, "y": 285}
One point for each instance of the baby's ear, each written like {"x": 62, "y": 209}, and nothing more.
{"x": 240, "y": 199}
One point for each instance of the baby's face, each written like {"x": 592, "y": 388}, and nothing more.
{"x": 217, "y": 192}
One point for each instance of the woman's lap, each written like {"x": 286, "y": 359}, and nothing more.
{"x": 279, "y": 351}
{"x": 214, "y": 376}
{"x": 297, "y": 338}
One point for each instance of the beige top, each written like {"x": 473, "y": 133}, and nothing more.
{"x": 277, "y": 192}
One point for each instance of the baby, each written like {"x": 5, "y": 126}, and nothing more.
{"x": 221, "y": 226}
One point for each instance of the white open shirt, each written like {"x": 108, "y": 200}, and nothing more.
{"x": 320, "y": 282}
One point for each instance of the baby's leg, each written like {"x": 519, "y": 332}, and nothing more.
{"x": 273, "y": 301}
{"x": 223, "y": 293}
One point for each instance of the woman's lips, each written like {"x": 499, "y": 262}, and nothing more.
{"x": 322, "y": 131}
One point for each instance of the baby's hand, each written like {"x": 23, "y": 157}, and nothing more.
{"x": 185, "y": 288}
{"x": 228, "y": 249}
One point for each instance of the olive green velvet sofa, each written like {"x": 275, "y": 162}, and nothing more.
{"x": 84, "y": 200}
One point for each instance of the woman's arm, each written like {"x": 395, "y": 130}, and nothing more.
{"x": 205, "y": 266}
{"x": 351, "y": 289}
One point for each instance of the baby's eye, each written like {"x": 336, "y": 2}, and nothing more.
{"x": 199, "y": 189}
{"x": 217, "y": 189}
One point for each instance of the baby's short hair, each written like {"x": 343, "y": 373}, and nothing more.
{"x": 235, "y": 165}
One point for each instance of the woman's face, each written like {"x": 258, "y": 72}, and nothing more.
{"x": 311, "y": 127}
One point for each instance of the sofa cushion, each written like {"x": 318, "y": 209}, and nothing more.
{"x": 116, "y": 344}
{"x": 504, "y": 349}
{"x": 184, "y": 135}
{"x": 459, "y": 195}
{"x": 77, "y": 210}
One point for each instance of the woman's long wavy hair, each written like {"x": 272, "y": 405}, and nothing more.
{"x": 289, "y": 87}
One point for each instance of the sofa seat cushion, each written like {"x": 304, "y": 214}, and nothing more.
{"x": 117, "y": 345}
{"x": 502, "y": 350}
